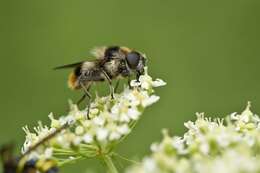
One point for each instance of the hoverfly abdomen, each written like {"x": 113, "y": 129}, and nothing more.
{"x": 46, "y": 166}
{"x": 12, "y": 164}
{"x": 77, "y": 71}
{"x": 29, "y": 167}
{"x": 92, "y": 75}
{"x": 73, "y": 81}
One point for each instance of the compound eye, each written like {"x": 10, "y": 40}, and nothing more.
{"x": 132, "y": 59}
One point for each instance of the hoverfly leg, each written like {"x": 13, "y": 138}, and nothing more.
{"x": 129, "y": 83}
{"x": 117, "y": 85}
{"x": 86, "y": 90}
{"x": 110, "y": 84}
{"x": 137, "y": 76}
{"x": 81, "y": 99}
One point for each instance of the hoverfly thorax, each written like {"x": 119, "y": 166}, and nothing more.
{"x": 111, "y": 51}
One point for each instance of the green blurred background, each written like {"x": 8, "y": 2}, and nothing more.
{"x": 207, "y": 51}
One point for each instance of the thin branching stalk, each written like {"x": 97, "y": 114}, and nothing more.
{"x": 109, "y": 164}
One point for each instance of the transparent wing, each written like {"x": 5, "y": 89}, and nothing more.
{"x": 98, "y": 52}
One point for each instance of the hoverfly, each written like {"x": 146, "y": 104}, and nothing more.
{"x": 111, "y": 63}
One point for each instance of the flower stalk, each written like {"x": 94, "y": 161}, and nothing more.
{"x": 109, "y": 164}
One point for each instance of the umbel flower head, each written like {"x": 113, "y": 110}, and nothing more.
{"x": 209, "y": 146}
{"x": 111, "y": 120}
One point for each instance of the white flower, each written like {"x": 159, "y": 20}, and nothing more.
{"x": 204, "y": 147}
{"x": 141, "y": 98}
{"x": 33, "y": 138}
{"x": 123, "y": 129}
{"x": 76, "y": 140}
{"x": 135, "y": 83}
{"x": 114, "y": 136}
{"x": 98, "y": 121}
{"x": 94, "y": 111}
{"x": 124, "y": 118}
{"x": 223, "y": 138}
{"x": 69, "y": 119}
{"x": 151, "y": 100}
{"x": 48, "y": 153}
{"x": 158, "y": 83}
{"x": 102, "y": 134}
{"x": 54, "y": 123}
{"x": 233, "y": 116}
{"x": 88, "y": 138}
{"x": 146, "y": 82}
{"x": 209, "y": 146}
{"x": 149, "y": 165}
{"x": 178, "y": 144}
{"x": 133, "y": 113}
{"x": 154, "y": 147}
{"x": 79, "y": 130}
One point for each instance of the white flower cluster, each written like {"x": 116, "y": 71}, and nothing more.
{"x": 110, "y": 121}
{"x": 209, "y": 146}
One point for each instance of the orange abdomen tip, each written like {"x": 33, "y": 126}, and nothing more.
{"x": 72, "y": 81}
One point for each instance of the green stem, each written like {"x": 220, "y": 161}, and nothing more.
{"x": 110, "y": 165}
{"x": 126, "y": 159}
